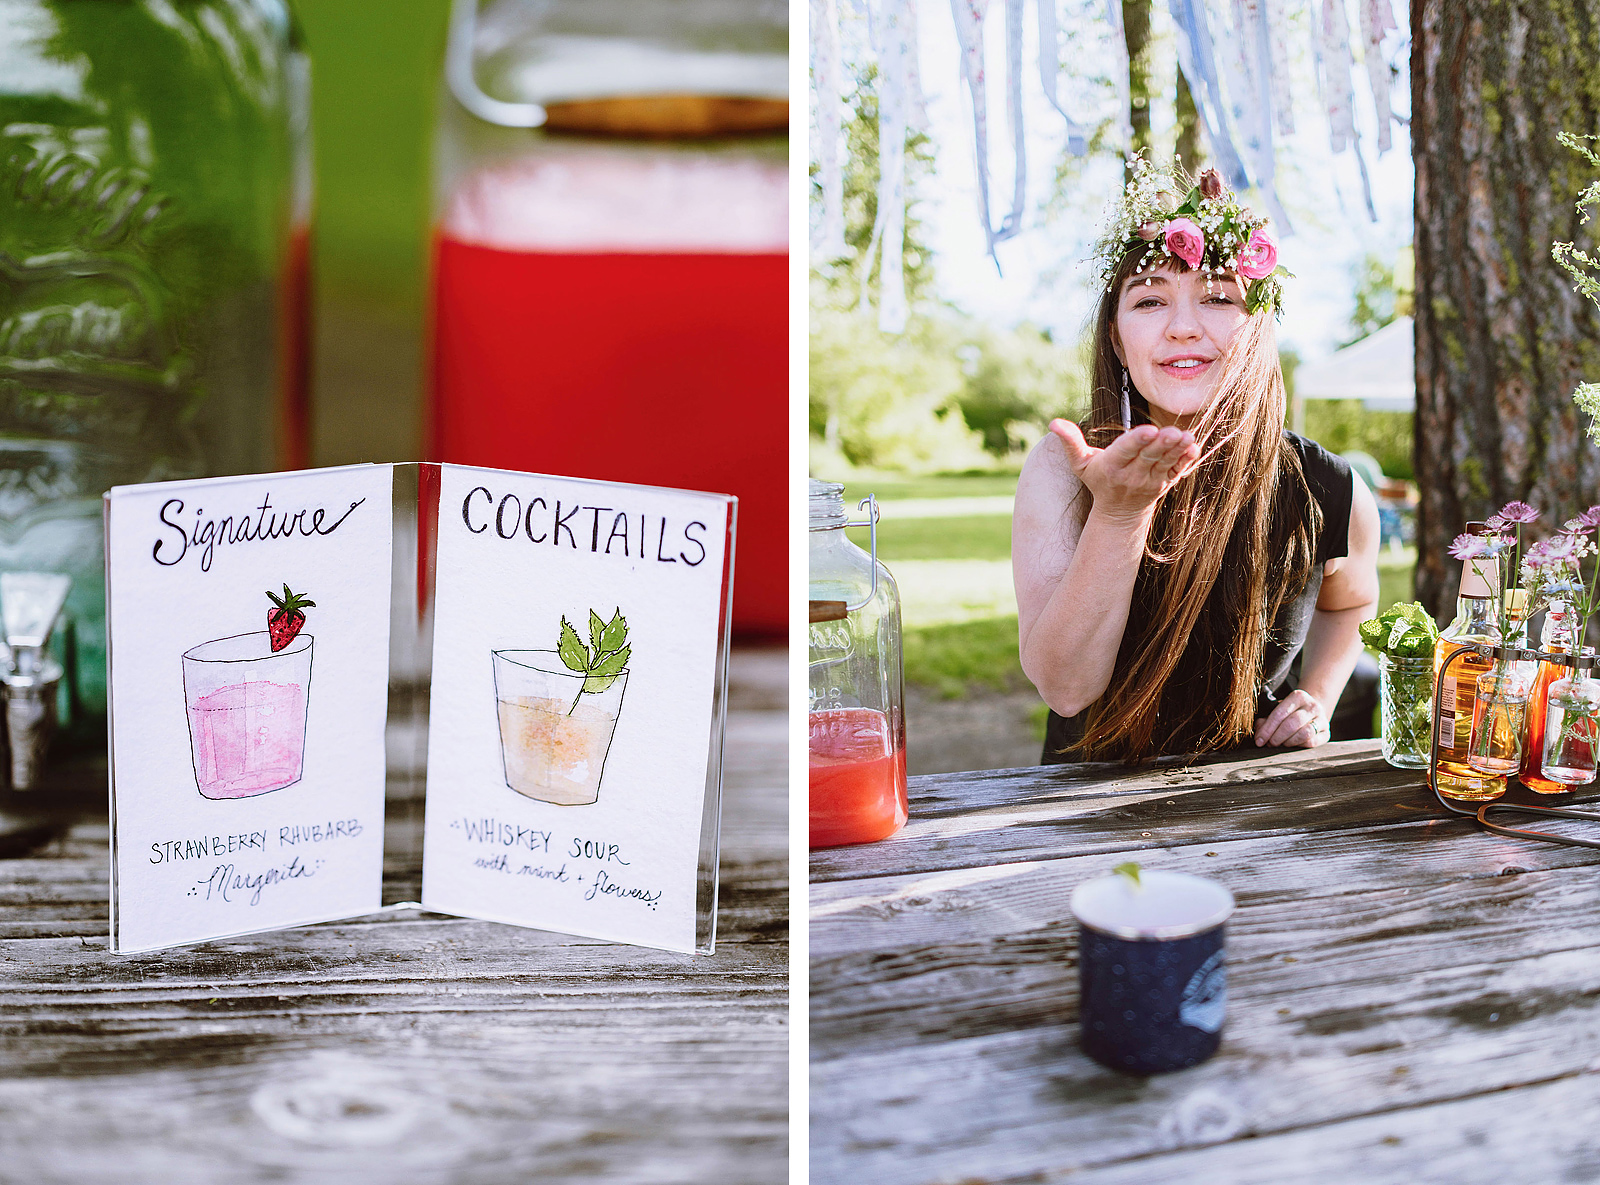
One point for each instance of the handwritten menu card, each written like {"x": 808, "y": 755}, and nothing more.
{"x": 578, "y": 682}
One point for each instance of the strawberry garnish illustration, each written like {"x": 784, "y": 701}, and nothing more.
{"x": 285, "y": 618}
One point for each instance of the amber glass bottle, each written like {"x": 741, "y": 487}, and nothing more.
{"x": 1452, "y": 709}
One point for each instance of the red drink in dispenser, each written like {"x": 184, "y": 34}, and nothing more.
{"x": 857, "y": 683}
{"x": 622, "y": 313}
{"x": 858, "y": 777}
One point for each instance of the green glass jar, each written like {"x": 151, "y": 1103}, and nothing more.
{"x": 154, "y": 204}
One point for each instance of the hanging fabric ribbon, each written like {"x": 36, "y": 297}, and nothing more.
{"x": 1012, "y": 224}
{"x": 1377, "y": 20}
{"x": 1278, "y": 57}
{"x": 827, "y": 114}
{"x": 1050, "y": 66}
{"x": 1197, "y": 60}
{"x": 968, "y": 16}
{"x": 918, "y": 113}
{"x": 893, "y": 30}
{"x": 1258, "y": 53}
{"x": 1331, "y": 31}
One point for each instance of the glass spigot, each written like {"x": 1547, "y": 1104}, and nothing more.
{"x": 30, "y": 605}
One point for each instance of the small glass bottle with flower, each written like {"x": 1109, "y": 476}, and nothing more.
{"x": 1500, "y": 700}
{"x": 1572, "y": 707}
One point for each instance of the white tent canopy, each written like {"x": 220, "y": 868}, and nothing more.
{"x": 1379, "y": 370}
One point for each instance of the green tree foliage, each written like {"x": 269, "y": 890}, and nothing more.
{"x": 1016, "y": 382}
{"x": 1344, "y": 426}
{"x": 1372, "y": 278}
{"x": 841, "y": 279}
{"x": 886, "y": 402}
{"x": 951, "y": 392}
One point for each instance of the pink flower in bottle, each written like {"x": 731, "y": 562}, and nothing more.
{"x": 1587, "y": 521}
{"x": 1260, "y": 255}
{"x": 1517, "y": 512}
{"x": 1185, "y": 241}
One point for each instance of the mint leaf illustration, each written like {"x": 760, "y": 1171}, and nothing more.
{"x": 574, "y": 654}
{"x": 604, "y": 673}
{"x": 605, "y": 658}
{"x": 616, "y": 633}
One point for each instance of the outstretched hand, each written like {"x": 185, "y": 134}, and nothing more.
{"x": 1298, "y": 722}
{"x": 1130, "y": 474}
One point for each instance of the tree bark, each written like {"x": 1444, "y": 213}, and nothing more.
{"x": 1136, "y": 36}
{"x": 1188, "y": 118}
{"x": 1501, "y": 337}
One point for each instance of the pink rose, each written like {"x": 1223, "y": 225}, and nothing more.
{"x": 1185, "y": 241}
{"x": 1260, "y": 255}
{"x": 1149, "y": 230}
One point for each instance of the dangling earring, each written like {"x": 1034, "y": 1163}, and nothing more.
{"x": 1127, "y": 410}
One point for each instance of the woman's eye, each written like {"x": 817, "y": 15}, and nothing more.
{"x": 1219, "y": 298}
{"x": 1148, "y": 302}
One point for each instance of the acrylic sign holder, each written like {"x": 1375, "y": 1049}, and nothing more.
{"x": 1518, "y": 798}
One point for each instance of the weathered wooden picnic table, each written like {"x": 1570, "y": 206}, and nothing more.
{"x": 1409, "y": 997}
{"x": 404, "y": 1047}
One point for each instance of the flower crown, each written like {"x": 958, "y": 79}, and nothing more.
{"x": 1207, "y": 229}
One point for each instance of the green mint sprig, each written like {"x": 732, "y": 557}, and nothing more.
{"x": 1404, "y": 631}
{"x": 1129, "y": 870}
{"x": 602, "y": 660}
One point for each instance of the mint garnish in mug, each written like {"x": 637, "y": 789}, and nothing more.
{"x": 602, "y": 660}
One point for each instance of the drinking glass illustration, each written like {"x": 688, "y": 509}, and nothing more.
{"x": 247, "y": 713}
{"x": 554, "y": 733}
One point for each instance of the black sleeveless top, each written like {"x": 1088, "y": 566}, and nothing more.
{"x": 1328, "y": 477}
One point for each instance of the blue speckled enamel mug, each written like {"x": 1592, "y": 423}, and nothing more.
{"x": 1152, "y": 986}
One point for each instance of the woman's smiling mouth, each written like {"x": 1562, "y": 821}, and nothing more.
{"x": 1187, "y": 366}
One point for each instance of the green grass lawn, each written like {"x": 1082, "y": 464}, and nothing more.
{"x": 982, "y": 485}
{"x": 970, "y": 537}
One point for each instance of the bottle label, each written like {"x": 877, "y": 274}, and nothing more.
{"x": 1447, "y": 715}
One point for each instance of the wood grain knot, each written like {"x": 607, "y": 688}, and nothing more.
{"x": 342, "y": 1106}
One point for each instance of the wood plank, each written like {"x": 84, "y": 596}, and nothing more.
{"x": 1047, "y": 814}
{"x": 894, "y": 912}
{"x": 1391, "y": 998}
{"x": 406, "y": 1046}
{"x": 1470, "y": 1139}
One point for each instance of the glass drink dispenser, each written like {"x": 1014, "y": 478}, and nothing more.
{"x": 610, "y": 291}
{"x": 857, "y": 716}
{"x": 154, "y": 205}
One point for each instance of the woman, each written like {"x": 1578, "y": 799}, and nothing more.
{"x": 1178, "y": 551}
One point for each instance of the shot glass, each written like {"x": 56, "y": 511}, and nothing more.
{"x": 1152, "y": 985}
{"x": 247, "y": 713}
{"x": 554, "y": 734}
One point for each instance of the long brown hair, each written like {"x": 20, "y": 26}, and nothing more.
{"x": 1188, "y": 671}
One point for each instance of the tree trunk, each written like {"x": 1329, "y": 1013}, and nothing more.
{"x": 1136, "y": 35}
{"x": 1501, "y": 337}
{"x": 1188, "y": 119}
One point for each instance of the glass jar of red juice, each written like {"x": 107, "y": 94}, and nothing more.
{"x": 857, "y": 699}
{"x": 610, "y": 292}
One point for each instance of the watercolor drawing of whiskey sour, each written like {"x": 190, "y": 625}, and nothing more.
{"x": 558, "y": 711}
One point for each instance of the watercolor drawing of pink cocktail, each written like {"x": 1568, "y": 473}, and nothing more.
{"x": 558, "y": 711}
{"x": 246, "y": 697}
